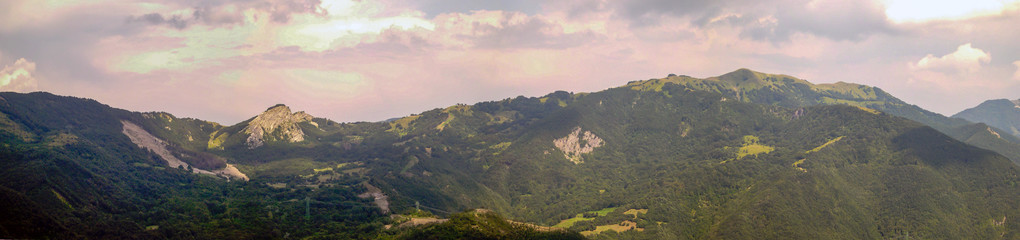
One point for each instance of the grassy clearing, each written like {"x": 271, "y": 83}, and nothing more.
{"x": 752, "y": 147}
{"x": 635, "y": 212}
{"x": 216, "y": 141}
{"x": 649, "y": 85}
{"x": 567, "y": 223}
{"x": 825, "y": 145}
{"x": 859, "y": 104}
{"x": 797, "y": 165}
{"x": 61, "y": 198}
{"x": 816, "y": 149}
{"x": 402, "y": 126}
{"x": 849, "y": 89}
{"x": 342, "y": 165}
{"x": 604, "y": 211}
{"x": 442, "y": 125}
{"x": 318, "y": 170}
{"x": 873, "y": 111}
{"x": 623, "y": 226}
{"x": 501, "y": 117}
{"x": 500, "y": 147}
{"x": 462, "y": 109}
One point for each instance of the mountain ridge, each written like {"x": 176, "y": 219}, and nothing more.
{"x": 787, "y": 91}
{"x": 999, "y": 113}
{"x": 741, "y": 156}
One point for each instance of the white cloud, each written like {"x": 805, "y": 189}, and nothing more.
{"x": 965, "y": 59}
{"x": 926, "y": 10}
{"x": 19, "y": 77}
{"x": 1016, "y": 75}
{"x": 28, "y": 14}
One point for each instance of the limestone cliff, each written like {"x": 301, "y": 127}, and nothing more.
{"x": 577, "y": 143}
{"x": 279, "y": 118}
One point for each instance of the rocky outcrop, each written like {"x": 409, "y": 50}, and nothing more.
{"x": 378, "y": 196}
{"x": 277, "y": 118}
{"x": 577, "y": 143}
{"x": 144, "y": 139}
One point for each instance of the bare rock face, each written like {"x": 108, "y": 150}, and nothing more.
{"x": 146, "y": 140}
{"x": 577, "y": 143}
{"x": 276, "y": 118}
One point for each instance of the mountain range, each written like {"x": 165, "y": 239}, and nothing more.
{"x": 745, "y": 155}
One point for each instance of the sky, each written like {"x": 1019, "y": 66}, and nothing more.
{"x": 370, "y": 60}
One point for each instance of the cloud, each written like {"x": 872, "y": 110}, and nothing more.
{"x": 377, "y": 59}
{"x": 1016, "y": 75}
{"x": 19, "y": 77}
{"x": 774, "y": 20}
{"x": 433, "y": 8}
{"x": 347, "y": 25}
{"x": 920, "y": 11}
{"x": 226, "y": 13}
{"x": 833, "y": 19}
{"x": 175, "y": 21}
{"x": 965, "y": 59}
{"x": 510, "y": 30}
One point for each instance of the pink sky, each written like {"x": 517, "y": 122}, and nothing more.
{"x": 370, "y": 60}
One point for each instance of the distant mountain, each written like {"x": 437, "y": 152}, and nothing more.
{"x": 1000, "y": 113}
{"x": 782, "y": 90}
{"x": 745, "y": 155}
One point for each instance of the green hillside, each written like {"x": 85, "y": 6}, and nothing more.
{"x": 745, "y": 155}
{"x": 69, "y": 172}
{"x": 676, "y": 152}
{"x": 749, "y": 86}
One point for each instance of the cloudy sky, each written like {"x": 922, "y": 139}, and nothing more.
{"x": 369, "y": 60}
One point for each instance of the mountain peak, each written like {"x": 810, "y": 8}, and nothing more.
{"x": 278, "y": 107}
{"x": 276, "y": 117}
{"x": 741, "y": 75}
{"x": 1002, "y": 103}
{"x": 998, "y": 113}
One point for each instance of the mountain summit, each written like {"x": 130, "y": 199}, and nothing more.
{"x": 276, "y": 123}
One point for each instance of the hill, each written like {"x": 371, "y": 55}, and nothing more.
{"x": 745, "y": 155}
{"x": 781, "y": 90}
{"x": 999, "y": 113}
{"x": 702, "y": 165}
{"x": 70, "y": 170}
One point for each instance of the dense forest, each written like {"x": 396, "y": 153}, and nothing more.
{"x": 745, "y": 155}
